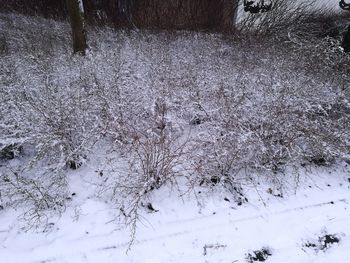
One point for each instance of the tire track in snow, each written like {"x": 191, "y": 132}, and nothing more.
{"x": 238, "y": 220}
{"x": 343, "y": 200}
{"x": 228, "y": 221}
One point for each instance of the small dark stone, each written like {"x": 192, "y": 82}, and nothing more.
{"x": 215, "y": 179}
{"x": 259, "y": 255}
{"x": 74, "y": 194}
{"x": 101, "y": 173}
{"x": 324, "y": 242}
{"x": 328, "y": 240}
{"x": 150, "y": 208}
{"x": 226, "y": 199}
{"x": 319, "y": 161}
{"x": 1, "y": 207}
{"x": 270, "y": 191}
{"x": 331, "y": 202}
{"x": 74, "y": 165}
{"x": 61, "y": 204}
{"x": 195, "y": 121}
{"x": 6, "y": 179}
{"x": 10, "y": 152}
{"x": 309, "y": 244}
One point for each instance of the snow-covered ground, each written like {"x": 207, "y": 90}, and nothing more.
{"x": 208, "y": 228}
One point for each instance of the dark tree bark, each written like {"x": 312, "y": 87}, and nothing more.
{"x": 346, "y": 41}
{"x": 76, "y": 15}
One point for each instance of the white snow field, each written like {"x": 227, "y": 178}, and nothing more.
{"x": 202, "y": 229}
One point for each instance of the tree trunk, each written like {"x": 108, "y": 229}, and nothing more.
{"x": 76, "y": 15}
{"x": 235, "y": 13}
{"x": 346, "y": 41}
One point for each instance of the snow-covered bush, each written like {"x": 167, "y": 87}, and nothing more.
{"x": 57, "y": 121}
{"x": 285, "y": 16}
{"x": 153, "y": 154}
{"x": 42, "y": 197}
{"x": 156, "y": 152}
{"x": 266, "y": 124}
{"x": 167, "y": 104}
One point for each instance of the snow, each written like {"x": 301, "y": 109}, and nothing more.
{"x": 184, "y": 226}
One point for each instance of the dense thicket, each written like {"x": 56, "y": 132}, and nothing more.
{"x": 154, "y": 107}
{"x": 46, "y": 8}
{"x": 170, "y": 14}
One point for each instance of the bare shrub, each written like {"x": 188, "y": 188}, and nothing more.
{"x": 184, "y": 14}
{"x": 155, "y": 159}
{"x": 40, "y": 198}
{"x": 283, "y": 16}
{"x": 53, "y": 120}
{"x": 155, "y": 156}
{"x": 249, "y": 106}
{"x": 307, "y": 33}
{"x": 270, "y": 127}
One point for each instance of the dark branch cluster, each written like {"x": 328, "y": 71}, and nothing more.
{"x": 259, "y": 7}
{"x": 343, "y": 5}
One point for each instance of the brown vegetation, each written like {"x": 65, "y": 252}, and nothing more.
{"x": 152, "y": 14}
